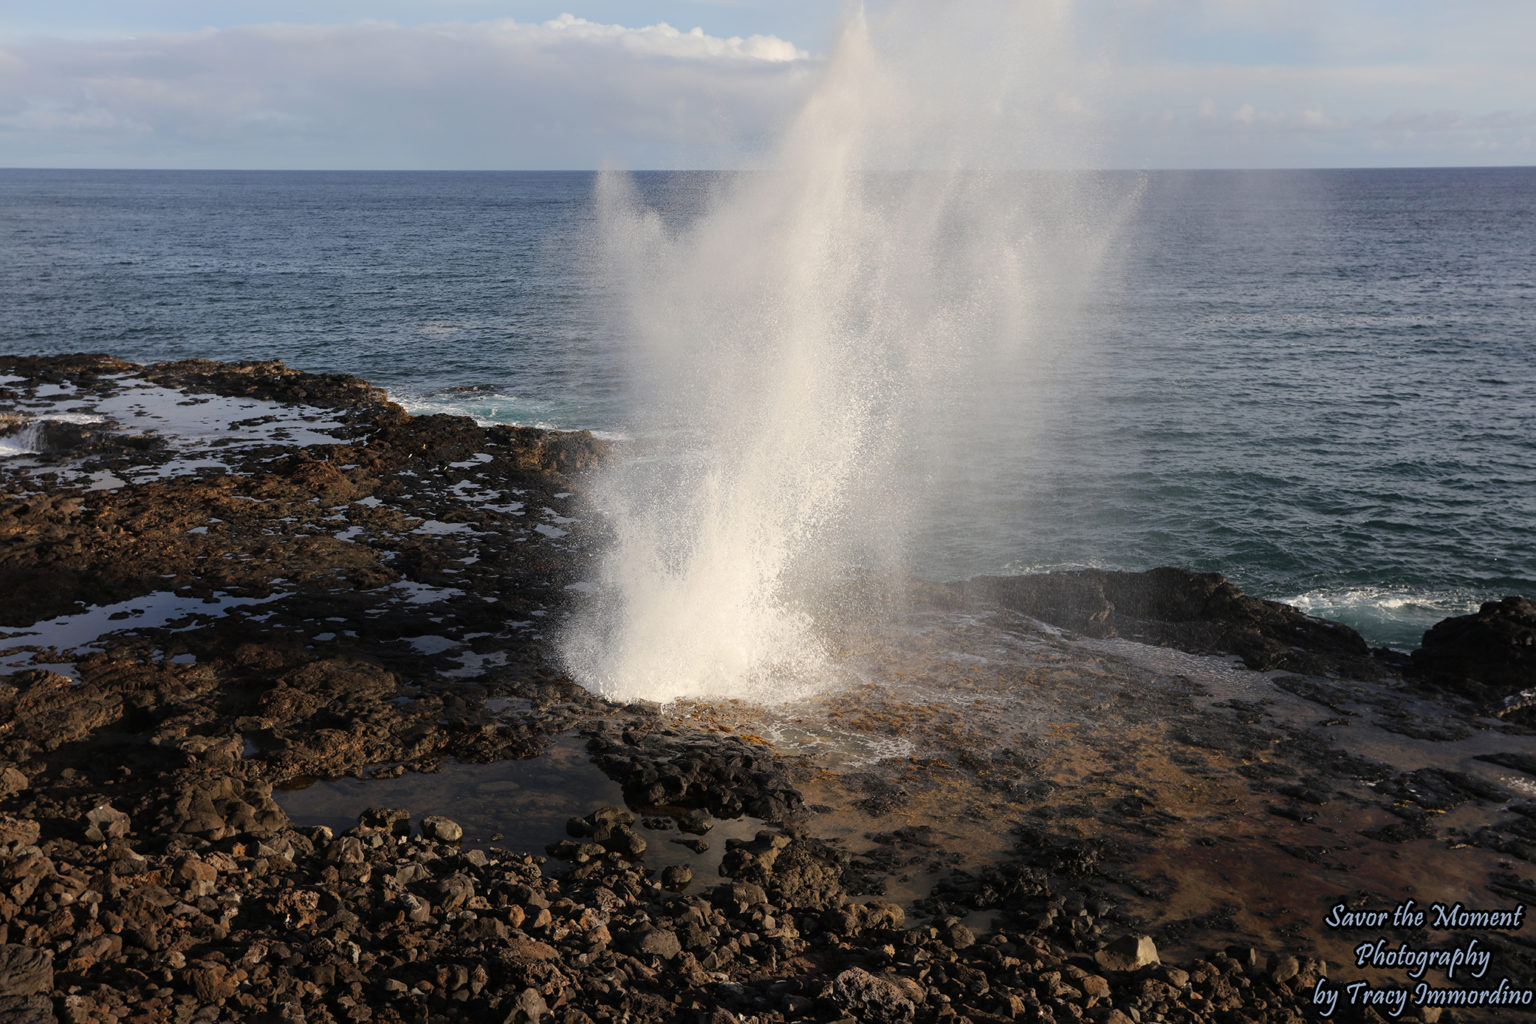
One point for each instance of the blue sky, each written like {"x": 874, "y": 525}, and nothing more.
{"x": 476, "y": 84}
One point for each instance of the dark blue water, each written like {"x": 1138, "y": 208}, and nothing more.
{"x": 419, "y": 282}
{"x": 1322, "y": 384}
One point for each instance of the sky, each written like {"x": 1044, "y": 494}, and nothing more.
{"x": 578, "y": 84}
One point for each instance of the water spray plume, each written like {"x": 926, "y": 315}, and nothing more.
{"x": 799, "y": 348}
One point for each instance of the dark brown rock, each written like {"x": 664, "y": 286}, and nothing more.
{"x": 661, "y": 942}
{"x": 211, "y": 982}
{"x": 1127, "y": 953}
{"x": 18, "y": 830}
{"x": 396, "y": 821}
{"x": 870, "y": 997}
{"x": 529, "y": 1007}
{"x": 11, "y": 780}
{"x": 104, "y": 822}
{"x": 795, "y": 871}
{"x": 440, "y": 829}
{"x": 25, "y": 971}
{"x": 27, "y": 1010}
{"x": 1488, "y": 655}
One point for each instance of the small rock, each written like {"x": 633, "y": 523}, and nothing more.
{"x": 210, "y": 982}
{"x": 696, "y": 821}
{"x": 842, "y": 921}
{"x": 662, "y": 942}
{"x": 958, "y": 935}
{"x": 455, "y": 890}
{"x": 416, "y": 909}
{"x": 884, "y": 915}
{"x": 201, "y": 878}
{"x": 11, "y": 780}
{"x": 625, "y": 842}
{"x": 18, "y": 830}
{"x": 104, "y": 822}
{"x": 1127, "y": 953}
{"x": 215, "y": 750}
{"x": 1111, "y": 1016}
{"x": 1283, "y": 967}
{"x": 746, "y": 895}
{"x": 441, "y": 829}
{"x": 394, "y": 820}
{"x": 1176, "y": 976}
{"x": 676, "y": 877}
{"x": 347, "y": 849}
{"x": 528, "y": 1008}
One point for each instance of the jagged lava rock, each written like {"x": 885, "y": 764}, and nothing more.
{"x": 1487, "y": 655}
{"x": 25, "y": 971}
{"x": 1127, "y": 953}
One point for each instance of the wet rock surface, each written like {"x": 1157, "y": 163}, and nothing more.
{"x": 1197, "y": 612}
{"x": 1489, "y": 655}
{"x": 285, "y": 577}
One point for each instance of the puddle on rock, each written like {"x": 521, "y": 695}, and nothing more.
{"x": 516, "y": 805}
{"x": 86, "y": 630}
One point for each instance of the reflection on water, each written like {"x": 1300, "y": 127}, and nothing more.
{"x": 518, "y": 805}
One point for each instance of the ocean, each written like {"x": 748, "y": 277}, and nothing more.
{"x": 1321, "y": 384}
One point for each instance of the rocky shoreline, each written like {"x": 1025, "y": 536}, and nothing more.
{"x": 220, "y": 581}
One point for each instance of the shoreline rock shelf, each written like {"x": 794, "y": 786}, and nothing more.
{"x": 219, "y": 580}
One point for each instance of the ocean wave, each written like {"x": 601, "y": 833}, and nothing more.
{"x": 490, "y": 408}
{"x": 1395, "y": 616}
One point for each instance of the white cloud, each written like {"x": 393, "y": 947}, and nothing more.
{"x": 1312, "y": 82}
{"x": 1215, "y": 114}
{"x": 563, "y": 93}
{"x": 1158, "y": 82}
{"x": 663, "y": 40}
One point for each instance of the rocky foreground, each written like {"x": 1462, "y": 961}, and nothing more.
{"x": 221, "y": 580}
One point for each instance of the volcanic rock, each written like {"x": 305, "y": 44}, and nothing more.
{"x": 1197, "y": 612}
{"x": 11, "y": 780}
{"x": 870, "y": 997}
{"x": 796, "y": 871}
{"x": 721, "y": 775}
{"x": 1487, "y": 655}
{"x": 21, "y": 831}
{"x": 1127, "y": 953}
{"x": 104, "y": 822}
{"x": 441, "y": 829}
{"x": 528, "y": 1008}
{"x": 25, "y": 971}
{"x": 310, "y": 588}
{"x": 660, "y": 942}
